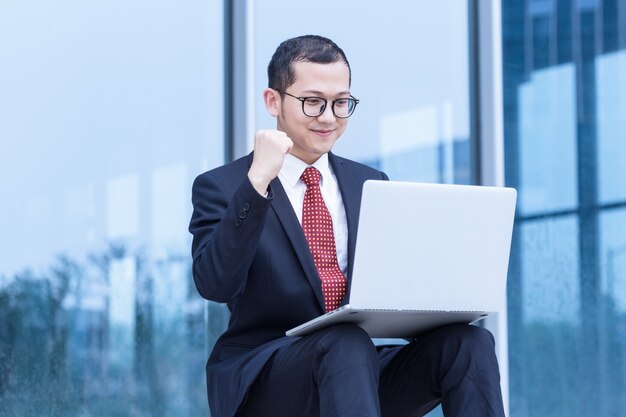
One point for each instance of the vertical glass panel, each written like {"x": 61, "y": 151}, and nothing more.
{"x": 568, "y": 360}
{"x": 541, "y": 7}
{"x": 612, "y": 307}
{"x": 611, "y": 105}
{"x": 412, "y": 77}
{"x": 613, "y": 250}
{"x": 547, "y": 141}
{"x": 108, "y": 111}
{"x": 545, "y": 349}
{"x": 410, "y": 69}
{"x": 550, "y": 289}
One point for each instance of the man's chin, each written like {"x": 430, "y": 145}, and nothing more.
{"x": 324, "y": 142}
{"x": 324, "y": 149}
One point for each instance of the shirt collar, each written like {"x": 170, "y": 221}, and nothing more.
{"x": 293, "y": 168}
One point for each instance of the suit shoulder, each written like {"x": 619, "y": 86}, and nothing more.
{"x": 358, "y": 168}
{"x": 228, "y": 175}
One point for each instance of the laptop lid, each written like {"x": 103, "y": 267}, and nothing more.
{"x": 426, "y": 255}
{"x": 432, "y": 247}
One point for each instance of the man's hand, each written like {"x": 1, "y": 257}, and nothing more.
{"x": 270, "y": 148}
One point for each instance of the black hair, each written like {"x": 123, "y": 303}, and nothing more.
{"x": 307, "y": 48}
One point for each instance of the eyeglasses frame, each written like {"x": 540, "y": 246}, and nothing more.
{"x": 325, "y": 100}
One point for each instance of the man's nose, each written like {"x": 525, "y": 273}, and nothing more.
{"x": 327, "y": 115}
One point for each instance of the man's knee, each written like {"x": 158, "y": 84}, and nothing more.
{"x": 345, "y": 335}
{"x": 476, "y": 338}
{"x": 470, "y": 345}
{"x": 349, "y": 342}
{"x": 462, "y": 339}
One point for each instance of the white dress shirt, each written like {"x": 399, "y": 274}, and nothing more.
{"x": 295, "y": 188}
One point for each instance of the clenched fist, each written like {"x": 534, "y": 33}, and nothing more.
{"x": 270, "y": 148}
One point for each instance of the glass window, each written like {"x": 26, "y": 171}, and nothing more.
{"x": 611, "y": 90}
{"x": 565, "y": 95}
{"x": 550, "y": 292}
{"x": 410, "y": 69}
{"x": 412, "y": 77}
{"x": 545, "y": 345}
{"x": 613, "y": 251}
{"x": 612, "y": 308}
{"x": 547, "y": 141}
{"x": 107, "y": 113}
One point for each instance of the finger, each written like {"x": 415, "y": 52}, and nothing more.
{"x": 289, "y": 144}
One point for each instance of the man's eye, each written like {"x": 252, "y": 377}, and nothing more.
{"x": 314, "y": 101}
{"x": 341, "y": 102}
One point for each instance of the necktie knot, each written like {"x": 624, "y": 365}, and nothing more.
{"x": 311, "y": 176}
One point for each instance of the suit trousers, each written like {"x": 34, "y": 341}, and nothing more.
{"x": 339, "y": 372}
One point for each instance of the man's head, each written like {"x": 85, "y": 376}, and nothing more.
{"x": 314, "y": 69}
{"x": 308, "y": 48}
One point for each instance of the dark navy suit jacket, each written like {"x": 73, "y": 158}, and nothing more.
{"x": 250, "y": 252}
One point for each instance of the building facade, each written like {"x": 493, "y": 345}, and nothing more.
{"x": 564, "y": 118}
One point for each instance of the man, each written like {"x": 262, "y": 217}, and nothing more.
{"x": 275, "y": 238}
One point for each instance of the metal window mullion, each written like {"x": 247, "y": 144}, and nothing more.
{"x": 239, "y": 100}
{"x": 491, "y": 138}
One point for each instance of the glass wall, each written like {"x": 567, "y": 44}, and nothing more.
{"x": 410, "y": 69}
{"x": 108, "y": 111}
{"x": 565, "y": 101}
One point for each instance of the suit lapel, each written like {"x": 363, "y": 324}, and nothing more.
{"x": 284, "y": 211}
{"x": 351, "y": 196}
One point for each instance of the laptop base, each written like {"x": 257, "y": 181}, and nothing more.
{"x": 388, "y": 323}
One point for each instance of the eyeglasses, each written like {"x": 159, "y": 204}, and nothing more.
{"x": 314, "y": 106}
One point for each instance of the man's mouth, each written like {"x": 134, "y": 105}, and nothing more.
{"x": 323, "y": 132}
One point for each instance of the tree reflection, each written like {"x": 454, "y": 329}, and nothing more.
{"x": 62, "y": 350}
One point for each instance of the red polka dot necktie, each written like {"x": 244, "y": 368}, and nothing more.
{"x": 318, "y": 229}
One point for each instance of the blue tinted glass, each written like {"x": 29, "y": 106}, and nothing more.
{"x": 613, "y": 283}
{"x": 611, "y": 90}
{"x": 107, "y": 113}
{"x": 564, "y": 91}
{"x": 412, "y": 78}
{"x": 547, "y": 141}
{"x": 550, "y": 291}
{"x": 612, "y": 309}
{"x": 545, "y": 337}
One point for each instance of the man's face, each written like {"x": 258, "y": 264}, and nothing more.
{"x": 313, "y": 136}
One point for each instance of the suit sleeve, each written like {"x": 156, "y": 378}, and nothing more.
{"x": 226, "y": 230}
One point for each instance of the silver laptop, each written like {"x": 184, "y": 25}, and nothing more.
{"x": 426, "y": 255}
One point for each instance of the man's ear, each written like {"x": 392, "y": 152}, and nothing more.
{"x": 271, "y": 98}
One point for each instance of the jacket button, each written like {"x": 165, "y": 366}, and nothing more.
{"x": 243, "y": 214}
{"x": 246, "y": 207}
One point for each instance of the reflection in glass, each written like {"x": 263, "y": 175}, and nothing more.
{"x": 547, "y": 347}
{"x": 611, "y": 90}
{"x": 550, "y": 292}
{"x": 613, "y": 252}
{"x": 613, "y": 306}
{"x": 104, "y": 121}
{"x": 418, "y": 145}
{"x": 547, "y": 141}
{"x": 564, "y": 89}
{"x": 412, "y": 79}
